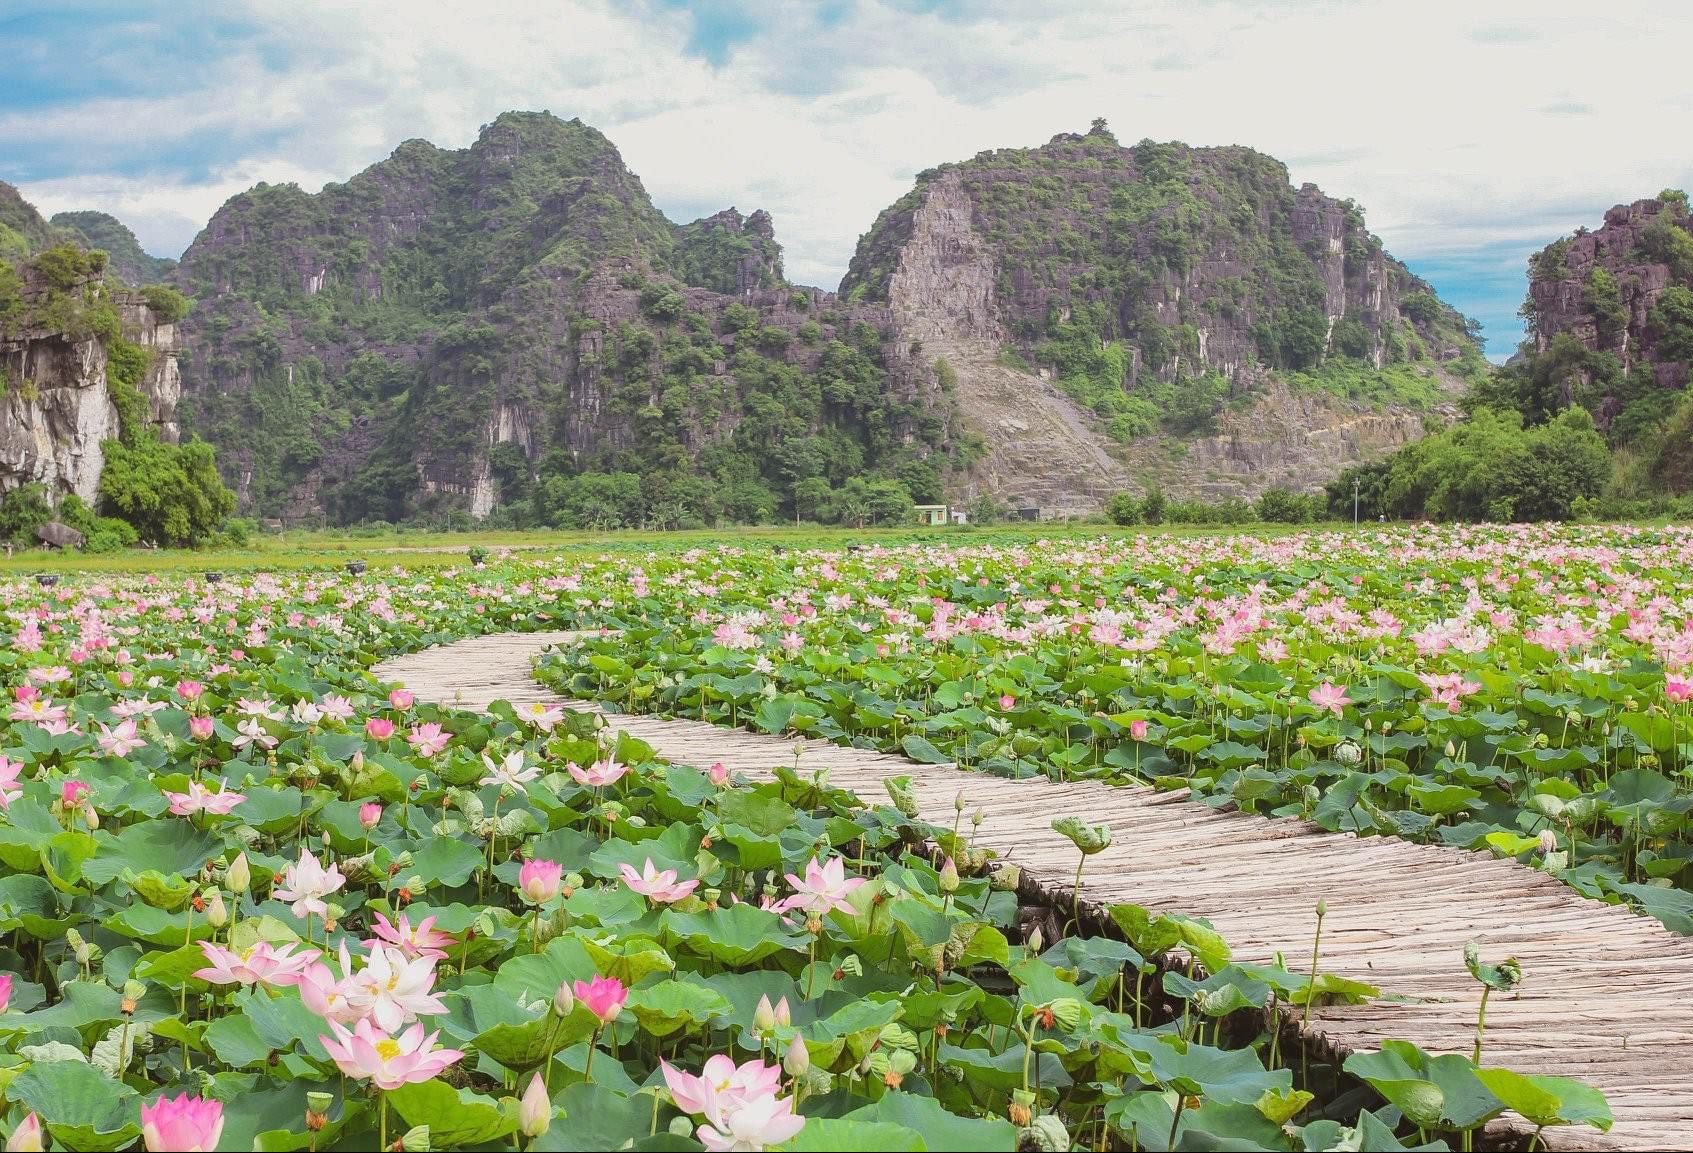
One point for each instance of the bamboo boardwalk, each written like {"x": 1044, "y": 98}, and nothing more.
{"x": 1607, "y": 995}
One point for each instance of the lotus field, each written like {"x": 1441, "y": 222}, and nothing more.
{"x": 253, "y": 898}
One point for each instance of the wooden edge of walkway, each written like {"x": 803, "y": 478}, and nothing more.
{"x": 1608, "y": 993}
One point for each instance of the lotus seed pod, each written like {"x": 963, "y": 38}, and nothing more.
{"x": 239, "y": 876}
{"x": 1067, "y": 1011}
{"x": 1046, "y": 1133}
{"x": 416, "y": 1140}
{"x": 682, "y": 1127}
{"x": 1090, "y": 839}
{"x": 1548, "y": 841}
{"x": 1007, "y": 878}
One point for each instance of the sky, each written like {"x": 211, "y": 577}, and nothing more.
{"x": 1473, "y": 132}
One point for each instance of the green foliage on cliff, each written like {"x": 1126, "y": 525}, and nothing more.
{"x": 102, "y": 231}
{"x": 1489, "y": 467}
{"x": 170, "y": 493}
{"x": 359, "y": 346}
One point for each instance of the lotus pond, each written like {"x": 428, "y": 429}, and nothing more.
{"x": 251, "y": 898}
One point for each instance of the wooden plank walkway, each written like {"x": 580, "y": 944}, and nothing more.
{"x": 1607, "y": 995}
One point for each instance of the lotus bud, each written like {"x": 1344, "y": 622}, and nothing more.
{"x": 564, "y": 1001}
{"x": 1548, "y": 841}
{"x": 784, "y": 1016}
{"x": 796, "y": 1061}
{"x": 1322, "y": 908}
{"x": 217, "y": 913}
{"x": 535, "y": 1111}
{"x": 1035, "y": 941}
{"x": 949, "y": 877}
{"x": 958, "y": 802}
{"x": 27, "y": 1137}
{"x": 976, "y": 819}
{"x": 239, "y": 876}
{"x": 764, "y": 1017}
{"x": 1451, "y": 750}
{"x": 91, "y": 817}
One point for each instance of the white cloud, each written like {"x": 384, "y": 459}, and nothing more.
{"x": 1457, "y": 125}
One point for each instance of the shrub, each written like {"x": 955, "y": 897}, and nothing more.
{"x": 1279, "y": 506}
{"x": 1123, "y": 508}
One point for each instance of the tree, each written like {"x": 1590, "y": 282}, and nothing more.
{"x": 811, "y": 498}
{"x": 889, "y": 502}
{"x": 1279, "y": 506}
{"x": 171, "y": 494}
{"x": 1154, "y": 505}
{"x": 22, "y": 511}
{"x": 1671, "y": 322}
{"x": 1603, "y": 301}
{"x": 1123, "y": 508}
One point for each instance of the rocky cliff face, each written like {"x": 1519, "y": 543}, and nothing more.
{"x": 449, "y": 328}
{"x": 1062, "y": 283}
{"x": 1600, "y": 289}
{"x": 60, "y": 402}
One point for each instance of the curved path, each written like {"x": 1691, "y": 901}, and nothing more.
{"x": 1607, "y": 995}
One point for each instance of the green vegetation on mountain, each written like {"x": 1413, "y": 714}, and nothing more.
{"x": 102, "y": 231}
{"x": 1159, "y": 283}
{"x": 515, "y": 325}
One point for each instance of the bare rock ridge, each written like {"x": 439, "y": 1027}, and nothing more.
{"x": 59, "y": 403}
{"x": 1043, "y": 450}
{"x": 1159, "y": 315}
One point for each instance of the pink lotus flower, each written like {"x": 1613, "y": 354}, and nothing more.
{"x": 720, "y": 1082}
{"x": 393, "y": 989}
{"x": 1331, "y": 697}
{"x": 189, "y": 690}
{"x": 740, "y": 1104}
{"x": 27, "y": 1137}
{"x": 368, "y": 1054}
{"x": 199, "y": 799}
{"x": 201, "y": 727}
{"x": 73, "y": 793}
{"x": 718, "y": 774}
{"x": 423, "y": 941}
{"x": 603, "y": 997}
{"x": 1678, "y": 688}
{"x": 597, "y": 775}
{"x": 428, "y": 740}
{"x": 251, "y": 732}
{"x": 336, "y": 708}
{"x": 510, "y": 772}
{"x": 661, "y": 887}
{"x": 325, "y": 994}
{"x": 306, "y": 883}
{"x": 276, "y": 967}
{"x": 10, "y": 790}
{"x": 378, "y": 728}
{"x": 539, "y": 881}
{"x": 758, "y": 1124}
{"x": 1137, "y": 730}
{"x": 823, "y": 889}
{"x": 1007, "y": 701}
{"x": 370, "y": 815}
{"x": 181, "y": 1125}
{"x": 542, "y": 716}
{"x": 401, "y": 699}
{"x": 5, "y": 991}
